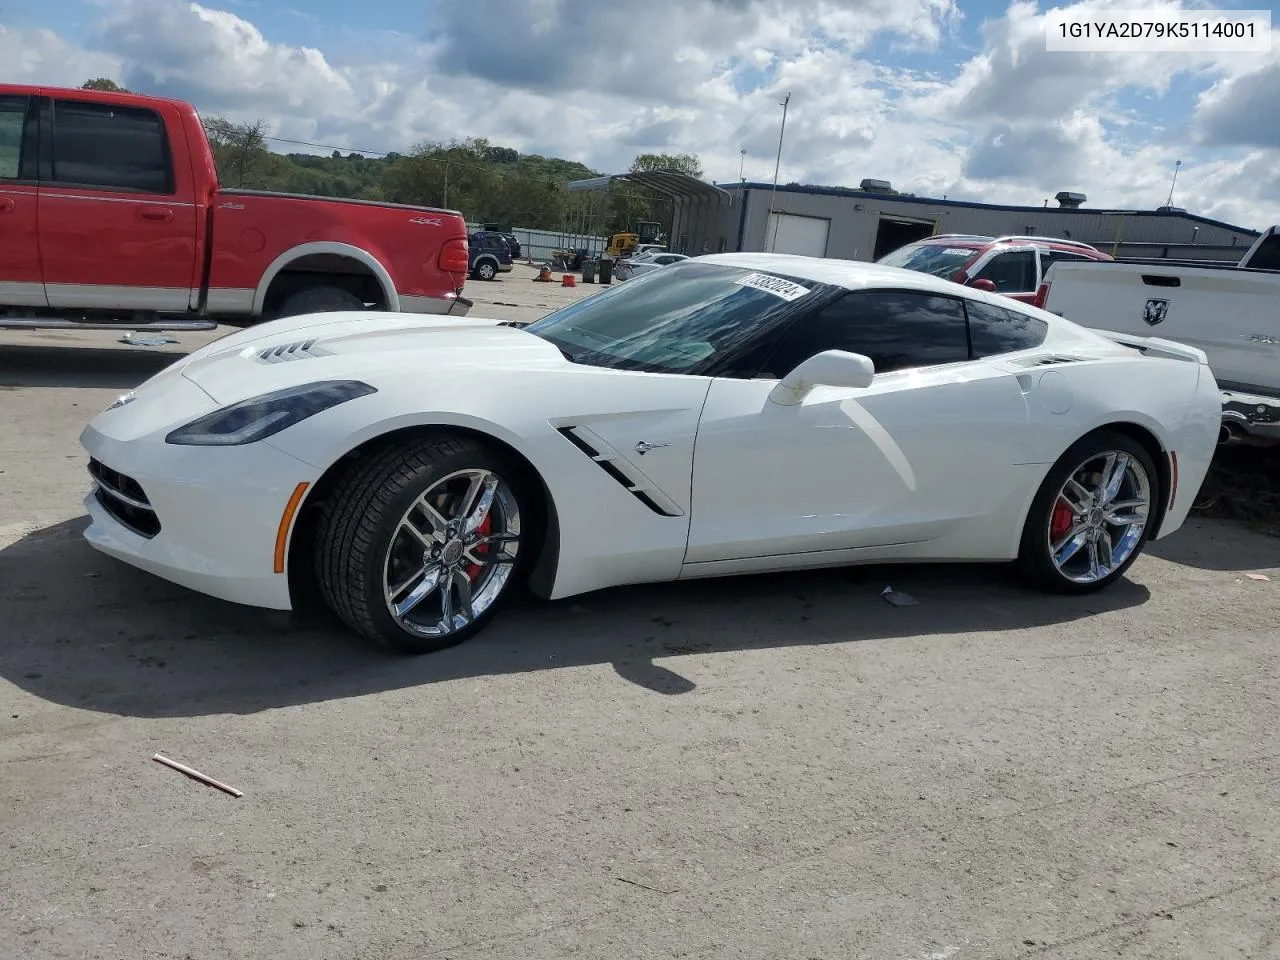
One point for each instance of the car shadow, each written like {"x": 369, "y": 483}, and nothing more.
{"x": 41, "y": 365}
{"x": 87, "y": 631}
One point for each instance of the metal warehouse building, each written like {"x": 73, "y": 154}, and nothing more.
{"x": 866, "y": 223}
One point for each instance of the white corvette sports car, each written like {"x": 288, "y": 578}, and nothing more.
{"x": 734, "y": 413}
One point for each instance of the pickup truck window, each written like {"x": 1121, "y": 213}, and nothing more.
{"x": 994, "y": 330}
{"x": 1011, "y": 272}
{"x": 111, "y": 147}
{"x": 13, "y": 111}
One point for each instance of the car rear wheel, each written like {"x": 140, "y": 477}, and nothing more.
{"x": 486, "y": 270}
{"x": 1091, "y": 517}
{"x": 418, "y": 546}
{"x": 319, "y": 300}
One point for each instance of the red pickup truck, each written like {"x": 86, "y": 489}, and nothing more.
{"x": 111, "y": 214}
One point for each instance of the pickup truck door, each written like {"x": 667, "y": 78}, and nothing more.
{"x": 117, "y": 212}
{"x": 21, "y": 284}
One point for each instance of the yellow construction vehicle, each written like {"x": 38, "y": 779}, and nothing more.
{"x": 620, "y": 245}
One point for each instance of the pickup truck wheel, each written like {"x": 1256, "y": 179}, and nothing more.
{"x": 1092, "y": 516}
{"x": 418, "y": 546}
{"x": 319, "y": 300}
{"x": 485, "y": 270}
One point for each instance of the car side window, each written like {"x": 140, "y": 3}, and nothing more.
{"x": 13, "y": 112}
{"x": 1013, "y": 272}
{"x": 995, "y": 330}
{"x": 898, "y": 330}
{"x": 109, "y": 146}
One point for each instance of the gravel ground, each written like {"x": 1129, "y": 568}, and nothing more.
{"x": 766, "y": 767}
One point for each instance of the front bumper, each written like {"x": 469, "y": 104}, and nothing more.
{"x": 1253, "y": 414}
{"x": 202, "y": 517}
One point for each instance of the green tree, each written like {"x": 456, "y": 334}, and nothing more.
{"x": 105, "y": 84}
{"x": 240, "y": 152}
{"x": 686, "y": 163}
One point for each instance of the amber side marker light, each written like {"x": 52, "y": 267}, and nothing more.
{"x": 286, "y": 521}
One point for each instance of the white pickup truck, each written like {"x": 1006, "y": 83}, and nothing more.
{"x": 1231, "y": 311}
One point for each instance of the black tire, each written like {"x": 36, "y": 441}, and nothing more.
{"x": 1035, "y": 563}
{"x": 485, "y": 269}
{"x": 319, "y": 300}
{"x": 356, "y": 528}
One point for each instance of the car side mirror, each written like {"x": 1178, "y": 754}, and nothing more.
{"x": 831, "y": 368}
{"x": 984, "y": 285}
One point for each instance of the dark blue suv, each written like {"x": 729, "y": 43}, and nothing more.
{"x": 490, "y": 255}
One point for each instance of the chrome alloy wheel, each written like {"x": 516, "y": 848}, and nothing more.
{"x": 1099, "y": 515}
{"x": 452, "y": 553}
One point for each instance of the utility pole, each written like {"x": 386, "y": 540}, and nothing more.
{"x": 742, "y": 159}
{"x": 445, "y": 203}
{"x": 777, "y": 164}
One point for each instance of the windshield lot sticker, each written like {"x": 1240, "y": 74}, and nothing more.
{"x": 775, "y": 285}
{"x": 957, "y": 251}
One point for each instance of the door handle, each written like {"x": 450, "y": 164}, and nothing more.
{"x": 6, "y": 204}
{"x": 156, "y": 214}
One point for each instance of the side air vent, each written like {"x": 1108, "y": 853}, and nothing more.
{"x": 302, "y": 350}
{"x": 621, "y": 470}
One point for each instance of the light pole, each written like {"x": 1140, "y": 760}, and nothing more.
{"x": 742, "y": 159}
{"x": 777, "y": 163}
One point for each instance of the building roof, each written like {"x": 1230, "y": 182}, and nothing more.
{"x": 666, "y": 182}
{"x": 1171, "y": 213}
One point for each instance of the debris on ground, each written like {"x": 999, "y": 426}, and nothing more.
{"x": 897, "y": 598}
{"x": 197, "y": 775}
{"x": 139, "y": 340}
{"x": 1258, "y": 576}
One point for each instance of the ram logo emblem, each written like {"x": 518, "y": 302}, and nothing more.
{"x": 1155, "y": 311}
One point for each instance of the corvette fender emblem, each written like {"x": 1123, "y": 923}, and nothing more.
{"x": 644, "y": 446}
{"x": 1155, "y": 311}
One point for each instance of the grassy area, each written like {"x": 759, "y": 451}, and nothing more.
{"x": 1244, "y": 485}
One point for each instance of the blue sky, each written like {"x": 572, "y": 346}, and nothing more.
{"x": 939, "y": 96}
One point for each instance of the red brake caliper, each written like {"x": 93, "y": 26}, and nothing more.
{"x": 1060, "y": 523}
{"x": 473, "y": 569}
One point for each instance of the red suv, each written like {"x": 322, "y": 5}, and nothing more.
{"x": 1013, "y": 266}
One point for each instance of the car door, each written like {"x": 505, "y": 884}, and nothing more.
{"x": 904, "y": 460}
{"x": 1013, "y": 271}
{"x": 21, "y": 282}
{"x": 117, "y": 217}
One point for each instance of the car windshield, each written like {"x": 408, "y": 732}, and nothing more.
{"x": 936, "y": 259}
{"x": 674, "y": 320}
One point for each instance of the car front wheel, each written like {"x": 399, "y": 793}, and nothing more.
{"x": 417, "y": 546}
{"x": 1092, "y": 516}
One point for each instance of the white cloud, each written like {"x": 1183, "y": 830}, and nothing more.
{"x": 1007, "y": 122}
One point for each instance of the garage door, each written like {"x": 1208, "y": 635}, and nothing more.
{"x": 806, "y": 236}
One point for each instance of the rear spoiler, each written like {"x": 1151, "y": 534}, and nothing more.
{"x": 1157, "y": 347}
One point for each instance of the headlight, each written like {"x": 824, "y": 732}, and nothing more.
{"x": 259, "y": 417}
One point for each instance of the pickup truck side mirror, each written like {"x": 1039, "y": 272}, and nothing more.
{"x": 831, "y": 368}
{"x": 983, "y": 284}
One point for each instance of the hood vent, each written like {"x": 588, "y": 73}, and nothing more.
{"x": 302, "y": 350}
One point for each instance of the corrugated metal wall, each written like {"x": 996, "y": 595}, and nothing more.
{"x": 854, "y": 221}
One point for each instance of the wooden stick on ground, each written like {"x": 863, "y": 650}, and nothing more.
{"x": 196, "y": 775}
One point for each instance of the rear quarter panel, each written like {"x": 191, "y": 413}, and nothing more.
{"x": 1228, "y": 313}
{"x": 1177, "y": 401}
{"x": 253, "y": 231}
